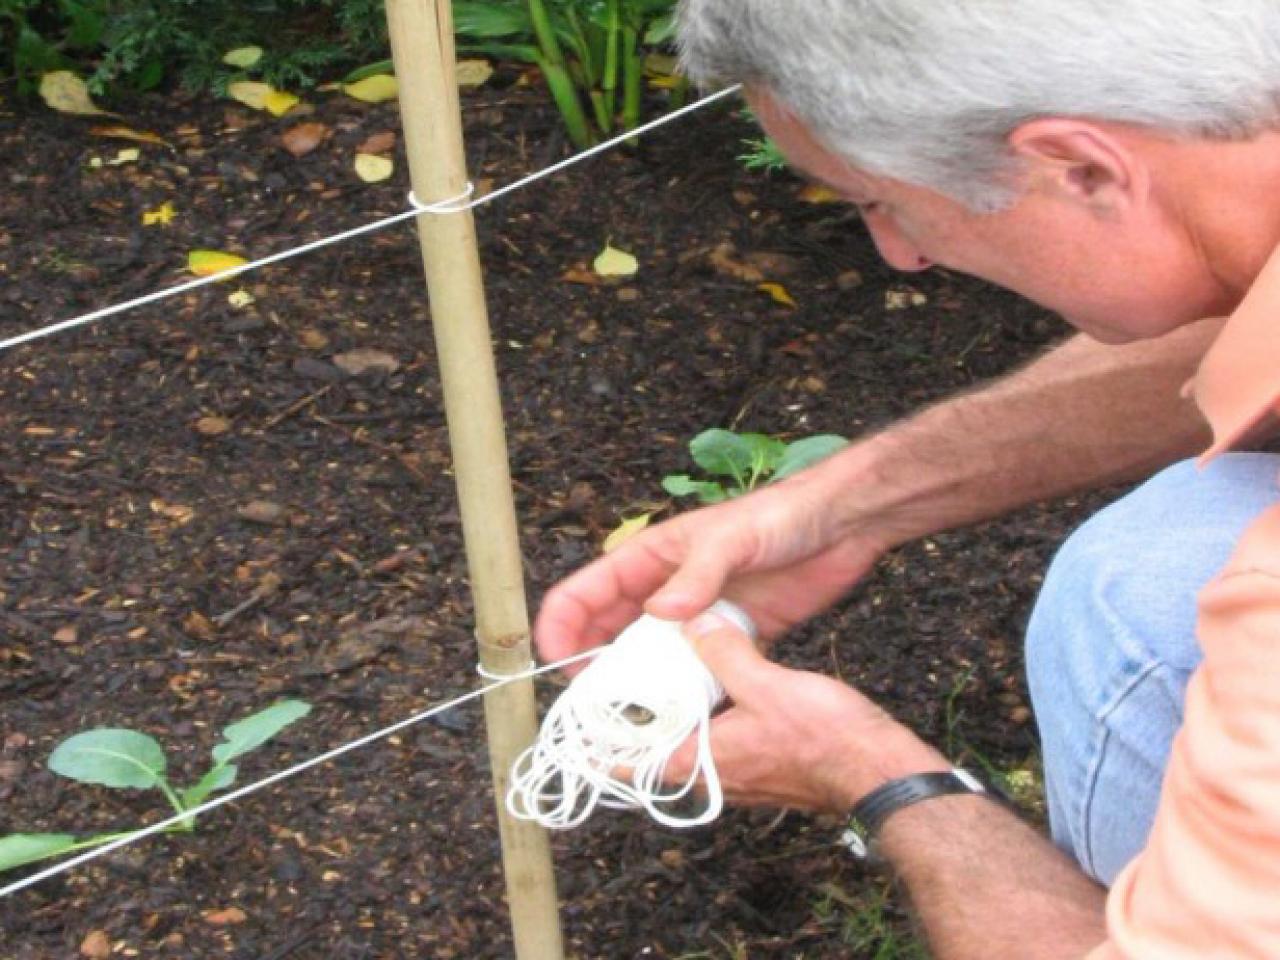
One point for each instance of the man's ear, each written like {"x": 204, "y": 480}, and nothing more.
{"x": 1081, "y": 161}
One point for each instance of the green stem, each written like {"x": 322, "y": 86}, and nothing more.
{"x": 632, "y": 78}
{"x": 545, "y": 33}
{"x": 103, "y": 839}
{"x": 186, "y": 826}
{"x": 612, "y": 34}
{"x": 680, "y": 94}
{"x": 565, "y": 95}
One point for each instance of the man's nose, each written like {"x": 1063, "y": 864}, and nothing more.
{"x": 895, "y": 249}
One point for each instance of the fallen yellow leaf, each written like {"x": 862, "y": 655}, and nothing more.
{"x": 278, "y": 103}
{"x": 262, "y": 96}
{"x": 128, "y": 155}
{"x": 778, "y": 292}
{"x": 209, "y": 263}
{"x": 128, "y": 133}
{"x": 626, "y": 530}
{"x": 162, "y": 215}
{"x": 473, "y": 73}
{"x": 65, "y": 92}
{"x": 372, "y": 168}
{"x": 240, "y": 299}
{"x": 819, "y": 193}
{"x": 252, "y": 93}
{"x": 666, "y": 83}
{"x": 376, "y": 89}
{"x": 242, "y": 57}
{"x": 615, "y": 263}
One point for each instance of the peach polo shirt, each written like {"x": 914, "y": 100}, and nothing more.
{"x": 1208, "y": 883}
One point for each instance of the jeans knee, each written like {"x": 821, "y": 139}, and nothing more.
{"x": 1131, "y": 573}
{"x": 1116, "y": 613}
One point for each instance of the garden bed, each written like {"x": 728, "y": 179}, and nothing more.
{"x": 135, "y": 591}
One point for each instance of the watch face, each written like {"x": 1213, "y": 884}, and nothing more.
{"x": 853, "y": 840}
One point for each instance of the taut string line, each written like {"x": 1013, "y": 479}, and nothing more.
{"x": 163, "y": 825}
{"x": 464, "y": 201}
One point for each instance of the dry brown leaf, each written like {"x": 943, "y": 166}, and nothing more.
{"x": 580, "y": 274}
{"x": 225, "y": 918}
{"x": 303, "y": 138}
{"x": 120, "y": 132}
{"x": 776, "y": 266}
{"x": 177, "y": 512}
{"x": 723, "y": 259}
{"x": 382, "y": 142}
{"x": 212, "y": 426}
{"x": 198, "y": 625}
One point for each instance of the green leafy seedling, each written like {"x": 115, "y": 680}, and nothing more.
{"x": 746, "y": 461}
{"x": 129, "y": 760}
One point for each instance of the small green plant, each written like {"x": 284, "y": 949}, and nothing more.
{"x": 138, "y": 44}
{"x": 746, "y": 461}
{"x": 762, "y": 154}
{"x": 590, "y": 52}
{"x": 868, "y": 922}
{"x": 127, "y": 759}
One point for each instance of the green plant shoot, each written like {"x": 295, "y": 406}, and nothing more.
{"x": 129, "y": 760}
{"x": 746, "y": 461}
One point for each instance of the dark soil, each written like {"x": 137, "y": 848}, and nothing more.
{"x": 128, "y": 573}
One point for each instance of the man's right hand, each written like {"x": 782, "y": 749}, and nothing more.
{"x": 781, "y": 553}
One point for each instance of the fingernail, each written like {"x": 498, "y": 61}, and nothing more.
{"x": 706, "y": 623}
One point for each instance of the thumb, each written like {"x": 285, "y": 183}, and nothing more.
{"x": 729, "y": 653}
{"x": 694, "y": 586}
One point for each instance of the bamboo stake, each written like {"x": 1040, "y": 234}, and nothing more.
{"x": 423, "y": 50}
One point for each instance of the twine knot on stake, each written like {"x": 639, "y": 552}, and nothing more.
{"x": 627, "y": 712}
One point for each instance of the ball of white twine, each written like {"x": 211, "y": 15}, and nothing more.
{"x": 631, "y": 707}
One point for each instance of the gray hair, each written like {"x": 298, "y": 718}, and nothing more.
{"x": 929, "y": 91}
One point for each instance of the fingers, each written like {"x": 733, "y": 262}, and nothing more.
{"x": 731, "y": 655}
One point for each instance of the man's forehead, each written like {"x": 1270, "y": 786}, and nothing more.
{"x": 805, "y": 151}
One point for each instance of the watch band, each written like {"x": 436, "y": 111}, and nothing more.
{"x": 870, "y": 813}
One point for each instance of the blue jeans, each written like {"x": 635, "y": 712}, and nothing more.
{"x": 1112, "y": 643}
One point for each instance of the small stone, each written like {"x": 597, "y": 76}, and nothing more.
{"x": 357, "y": 362}
{"x": 849, "y": 280}
{"x": 96, "y": 946}
{"x": 65, "y": 635}
{"x": 1020, "y": 715}
{"x": 265, "y": 512}
{"x": 310, "y": 368}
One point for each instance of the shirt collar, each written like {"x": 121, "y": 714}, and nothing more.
{"x": 1238, "y": 384}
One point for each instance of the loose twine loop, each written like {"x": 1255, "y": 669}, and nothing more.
{"x": 609, "y": 737}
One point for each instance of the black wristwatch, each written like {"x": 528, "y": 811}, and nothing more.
{"x": 870, "y": 813}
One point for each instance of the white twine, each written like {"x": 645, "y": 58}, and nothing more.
{"x": 163, "y": 825}
{"x": 608, "y": 739}
{"x": 459, "y": 204}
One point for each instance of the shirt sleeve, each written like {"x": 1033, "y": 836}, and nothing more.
{"x": 1208, "y": 883}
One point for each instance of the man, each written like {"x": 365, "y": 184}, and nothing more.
{"x": 1117, "y": 161}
